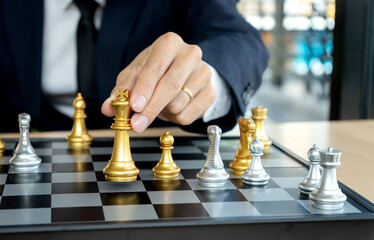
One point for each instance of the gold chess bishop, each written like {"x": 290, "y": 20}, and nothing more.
{"x": 259, "y": 115}
{"x": 79, "y": 137}
{"x": 243, "y": 155}
{"x": 166, "y": 167}
{"x": 121, "y": 167}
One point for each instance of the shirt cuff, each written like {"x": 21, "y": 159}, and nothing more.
{"x": 222, "y": 103}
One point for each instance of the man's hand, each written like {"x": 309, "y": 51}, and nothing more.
{"x": 155, "y": 79}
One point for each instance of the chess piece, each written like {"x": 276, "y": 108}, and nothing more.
{"x": 24, "y": 158}
{"x": 166, "y": 167}
{"x": 259, "y": 115}
{"x": 79, "y": 137}
{"x": 2, "y": 147}
{"x": 121, "y": 167}
{"x": 213, "y": 173}
{"x": 255, "y": 174}
{"x": 311, "y": 181}
{"x": 328, "y": 195}
{"x": 243, "y": 155}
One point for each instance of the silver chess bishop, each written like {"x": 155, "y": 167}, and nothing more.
{"x": 24, "y": 158}
{"x": 311, "y": 181}
{"x": 255, "y": 174}
{"x": 328, "y": 195}
{"x": 213, "y": 173}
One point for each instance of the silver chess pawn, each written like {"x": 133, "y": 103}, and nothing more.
{"x": 24, "y": 158}
{"x": 213, "y": 173}
{"x": 311, "y": 181}
{"x": 255, "y": 174}
{"x": 328, "y": 195}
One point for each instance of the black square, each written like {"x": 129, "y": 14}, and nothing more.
{"x": 146, "y": 164}
{"x": 46, "y": 159}
{"x": 126, "y": 198}
{"x": 29, "y": 201}
{"x": 4, "y": 168}
{"x": 146, "y": 150}
{"x": 280, "y": 207}
{"x": 238, "y": 182}
{"x": 17, "y": 178}
{"x": 166, "y": 185}
{"x": 102, "y": 143}
{"x": 189, "y": 173}
{"x": 41, "y": 144}
{"x": 180, "y": 141}
{"x": 71, "y": 151}
{"x": 286, "y": 171}
{"x": 75, "y": 187}
{"x": 100, "y": 176}
{"x": 216, "y": 195}
{"x": 296, "y": 194}
{"x": 8, "y": 152}
{"x": 1, "y": 189}
{"x": 192, "y": 210}
{"x": 72, "y": 167}
{"x": 188, "y": 156}
{"x": 101, "y": 157}
{"x": 77, "y": 214}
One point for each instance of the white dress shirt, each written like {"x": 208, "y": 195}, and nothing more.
{"x": 59, "y": 59}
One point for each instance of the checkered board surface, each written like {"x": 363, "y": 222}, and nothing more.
{"x": 70, "y": 188}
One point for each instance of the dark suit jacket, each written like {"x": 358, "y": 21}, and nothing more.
{"x": 228, "y": 43}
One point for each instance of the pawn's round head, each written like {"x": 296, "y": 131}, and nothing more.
{"x": 214, "y": 129}
{"x": 313, "y": 154}
{"x": 166, "y": 140}
{"x": 24, "y": 119}
{"x": 256, "y": 146}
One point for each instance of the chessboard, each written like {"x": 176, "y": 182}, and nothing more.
{"x": 69, "y": 191}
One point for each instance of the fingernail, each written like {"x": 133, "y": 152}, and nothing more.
{"x": 140, "y": 123}
{"x": 139, "y": 102}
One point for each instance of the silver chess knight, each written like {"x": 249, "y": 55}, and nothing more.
{"x": 311, "y": 181}
{"x": 255, "y": 174}
{"x": 213, "y": 173}
{"x": 328, "y": 195}
{"x": 24, "y": 158}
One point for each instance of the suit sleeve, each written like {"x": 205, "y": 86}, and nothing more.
{"x": 229, "y": 44}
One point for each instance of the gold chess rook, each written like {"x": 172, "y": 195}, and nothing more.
{"x": 166, "y": 167}
{"x": 243, "y": 155}
{"x": 121, "y": 167}
{"x": 259, "y": 115}
{"x": 79, "y": 137}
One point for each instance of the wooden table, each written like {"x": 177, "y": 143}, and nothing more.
{"x": 354, "y": 138}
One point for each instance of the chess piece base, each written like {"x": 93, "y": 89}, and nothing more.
{"x": 25, "y": 162}
{"x": 327, "y": 199}
{"x": 239, "y": 166}
{"x": 256, "y": 177}
{"x": 212, "y": 177}
{"x": 120, "y": 172}
{"x": 308, "y": 185}
{"x": 79, "y": 142}
{"x": 256, "y": 183}
{"x": 212, "y": 184}
{"x": 166, "y": 171}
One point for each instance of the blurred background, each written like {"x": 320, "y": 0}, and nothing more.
{"x": 299, "y": 37}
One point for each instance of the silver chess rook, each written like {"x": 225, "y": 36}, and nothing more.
{"x": 255, "y": 174}
{"x": 311, "y": 181}
{"x": 328, "y": 195}
{"x": 24, "y": 158}
{"x": 213, "y": 173}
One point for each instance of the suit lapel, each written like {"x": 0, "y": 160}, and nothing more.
{"x": 24, "y": 24}
{"x": 118, "y": 21}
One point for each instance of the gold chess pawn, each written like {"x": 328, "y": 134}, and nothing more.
{"x": 242, "y": 156}
{"x": 2, "y": 147}
{"x": 259, "y": 115}
{"x": 121, "y": 167}
{"x": 79, "y": 137}
{"x": 166, "y": 167}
